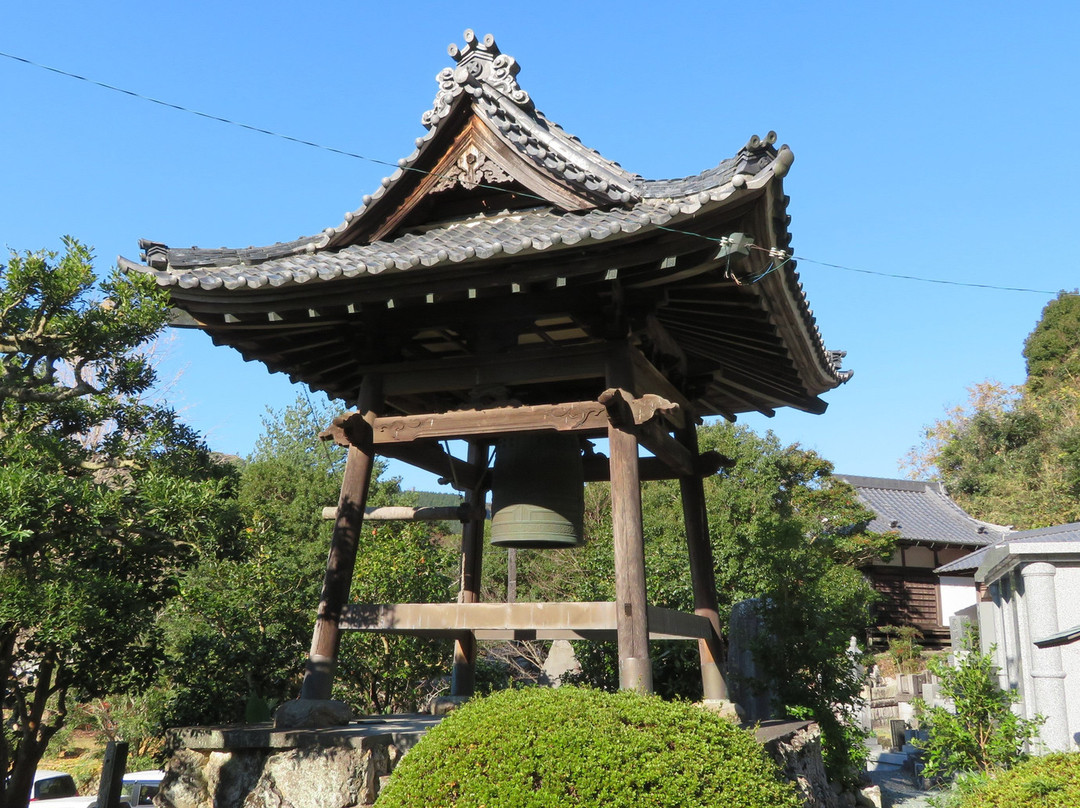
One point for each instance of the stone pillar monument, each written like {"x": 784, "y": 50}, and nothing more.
{"x": 1047, "y": 672}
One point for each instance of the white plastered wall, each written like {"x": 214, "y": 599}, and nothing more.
{"x": 957, "y": 592}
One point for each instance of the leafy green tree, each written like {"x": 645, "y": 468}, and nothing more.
{"x": 1052, "y": 350}
{"x": 980, "y": 732}
{"x": 1012, "y": 455}
{"x": 383, "y": 674}
{"x": 239, "y": 629}
{"x": 104, "y": 497}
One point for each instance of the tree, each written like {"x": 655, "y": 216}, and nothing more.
{"x": 980, "y": 732}
{"x": 1052, "y": 350}
{"x": 104, "y": 497}
{"x": 1012, "y": 455}
{"x": 239, "y": 629}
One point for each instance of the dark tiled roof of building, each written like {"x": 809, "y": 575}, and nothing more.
{"x": 972, "y": 561}
{"x": 1067, "y": 532}
{"x": 969, "y": 563}
{"x": 485, "y": 82}
{"x": 669, "y": 203}
{"x": 921, "y": 511}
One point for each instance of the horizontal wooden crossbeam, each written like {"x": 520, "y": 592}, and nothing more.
{"x": 517, "y": 621}
{"x": 455, "y": 513}
{"x": 587, "y": 417}
{"x": 413, "y": 438}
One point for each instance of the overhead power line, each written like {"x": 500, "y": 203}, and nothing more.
{"x": 924, "y": 280}
{"x": 207, "y": 115}
{"x": 356, "y": 156}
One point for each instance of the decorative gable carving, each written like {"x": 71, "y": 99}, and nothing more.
{"x": 484, "y": 132}
{"x": 470, "y": 170}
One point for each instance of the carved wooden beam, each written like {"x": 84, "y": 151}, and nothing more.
{"x": 422, "y": 454}
{"x": 634, "y": 415}
{"x": 411, "y": 438}
{"x": 522, "y": 366}
{"x": 649, "y": 379}
{"x": 579, "y": 416}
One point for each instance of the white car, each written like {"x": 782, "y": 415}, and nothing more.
{"x": 138, "y": 788}
{"x": 57, "y": 790}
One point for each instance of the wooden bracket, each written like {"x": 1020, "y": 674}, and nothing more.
{"x": 350, "y": 429}
{"x": 624, "y": 411}
{"x": 637, "y": 416}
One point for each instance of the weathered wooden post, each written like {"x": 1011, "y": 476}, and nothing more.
{"x": 113, "y": 767}
{"x": 463, "y": 680}
{"x": 631, "y": 611}
{"x": 326, "y": 637}
{"x": 702, "y": 576}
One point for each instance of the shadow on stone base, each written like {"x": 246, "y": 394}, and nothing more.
{"x": 335, "y": 767}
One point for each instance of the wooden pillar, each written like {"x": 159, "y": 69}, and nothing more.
{"x": 632, "y": 623}
{"x": 463, "y": 680}
{"x": 702, "y": 575}
{"x": 326, "y": 637}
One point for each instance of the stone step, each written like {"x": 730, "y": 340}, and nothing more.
{"x": 888, "y": 758}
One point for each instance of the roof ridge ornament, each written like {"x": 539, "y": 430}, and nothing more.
{"x": 757, "y": 144}
{"x": 480, "y": 62}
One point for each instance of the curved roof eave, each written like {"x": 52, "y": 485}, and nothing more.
{"x": 306, "y": 260}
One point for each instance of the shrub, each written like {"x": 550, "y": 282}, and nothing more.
{"x": 1046, "y": 782}
{"x": 981, "y": 732}
{"x": 904, "y": 649}
{"x": 571, "y": 746}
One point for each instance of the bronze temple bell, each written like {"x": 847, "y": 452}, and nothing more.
{"x": 537, "y": 492}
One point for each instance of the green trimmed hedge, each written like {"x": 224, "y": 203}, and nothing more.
{"x": 541, "y": 748}
{"x": 1052, "y": 781}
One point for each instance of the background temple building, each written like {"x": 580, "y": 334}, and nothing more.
{"x": 927, "y": 580}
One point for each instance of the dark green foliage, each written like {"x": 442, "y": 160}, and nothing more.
{"x": 1052, "y": 350}
{"x": 436, "y": 499}
{"x": 904, "y": 649}
{"x": 981, "y": 733}
{"x": 539, "y": 747}
{"x": 992, "y": 445}
{"x": 1012, "y": 456}
{"x": 1052, "y": 781}
{"x": 238, "y": 631}
{"x": 381, "y": 674}
{"x": 104, "y": 497}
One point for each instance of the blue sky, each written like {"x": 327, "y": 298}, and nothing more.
{"x": 930, "y": 139}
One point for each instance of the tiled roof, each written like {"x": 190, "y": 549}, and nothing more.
{"x": 485, "y": 81}
{"x": 476, "y": 239}
{"x": 972, "y": 561}
{"x": 499, "y": 213}
{"x": 921, "y": 511}
{"x": 1067, "y": 532}
{"x": 969, "y": 563}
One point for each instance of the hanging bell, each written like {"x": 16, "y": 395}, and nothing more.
{"x": 537, "y": 492}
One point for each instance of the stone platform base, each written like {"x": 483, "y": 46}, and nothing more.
{"x": 796, "y": 746}
{"x": 344, "y": 767}
{"x": 337, "y": 767}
